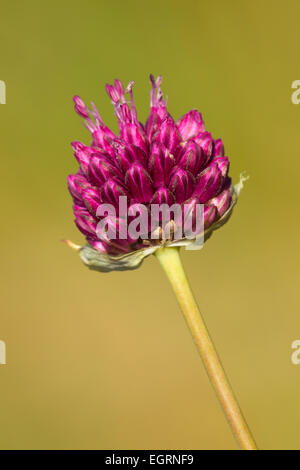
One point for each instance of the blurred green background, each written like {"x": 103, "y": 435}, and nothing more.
{"x": 105, "y": 361}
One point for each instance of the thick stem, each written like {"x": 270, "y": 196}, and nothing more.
{"x": 169, "y": 259}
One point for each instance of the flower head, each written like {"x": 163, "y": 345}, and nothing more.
{"x": 160, "y": 162}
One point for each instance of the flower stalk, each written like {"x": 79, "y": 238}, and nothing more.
{"x": 170, "y": 261}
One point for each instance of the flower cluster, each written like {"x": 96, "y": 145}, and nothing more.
{"x": 161, "y": 162}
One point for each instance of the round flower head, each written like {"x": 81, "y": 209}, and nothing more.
{"x": 162, "y": 163}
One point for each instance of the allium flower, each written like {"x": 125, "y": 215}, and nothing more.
{"x": 162, "y": 161}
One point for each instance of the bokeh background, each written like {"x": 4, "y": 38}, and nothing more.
{"x": 105, "y": 361}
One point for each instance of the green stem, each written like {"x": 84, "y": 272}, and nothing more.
{"x": 169, "y": 259}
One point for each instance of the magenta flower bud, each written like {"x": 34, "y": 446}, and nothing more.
{"x": 119, "y": 87}
{"x": 218, "y": 150}
{"x": 113, "y": 93}
{"x": 111, "y": 191}
{"x": 163, "y": 196}
{"x": 139, "y": 182}
{"x": 156, "y": 117}
{"x": 102, "y": 139}
{"x": 125, "y": 114}
{"x": 190, "y": 214}
{"x": 80, "y": 107}
{"x": 101, "y": 168}
{"x": 168, "y": 135}
{"x": 205, "y": 140}
{"x": 161, "y": 164}
{"x": 86, "y": 224}
{"x": 132, "y": 134}
{"x": 190, "y": 124}
{"x": 82, "y": 154}
{"x": 80, "y": 209}
{"x": 223, "y": 164}
{"x": 76, "y": 184}
{"x": 181, "y": 184}
{"x": 209, "y": 183}
{"x": 91, "y": 200}
{"x": 152, "y": 124}
{"x": 192, "y": 157}
{"x": 222, "y": 202}
{"x": 158, "y": 112}
{"x": 129, "y": 154}
{"x": 210, "y": 215}
{"x": 116, "y": 92}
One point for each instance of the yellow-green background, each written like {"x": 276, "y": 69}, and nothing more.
{"x": 105, "y": 361}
